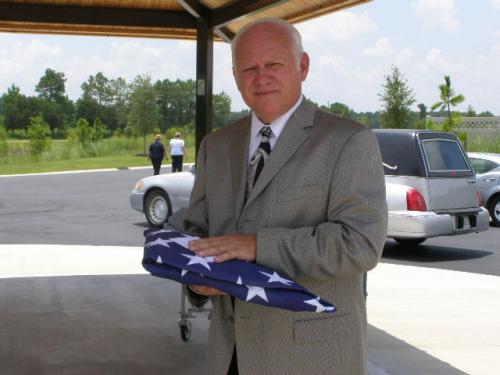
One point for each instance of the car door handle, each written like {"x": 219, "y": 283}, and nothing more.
{"x": 471, "y": 180}
{"x": 489, "y": 179}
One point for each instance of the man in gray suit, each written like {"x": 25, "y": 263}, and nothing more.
{"x": 316, "y": 213}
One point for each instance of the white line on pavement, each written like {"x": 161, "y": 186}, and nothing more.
{"x": 64, "y": 172}
{"x": 68, "y": 260}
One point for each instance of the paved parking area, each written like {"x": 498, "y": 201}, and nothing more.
{"x": 93, "y": 310}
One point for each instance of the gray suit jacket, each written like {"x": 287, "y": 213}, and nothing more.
{"x": 320, "y": 216}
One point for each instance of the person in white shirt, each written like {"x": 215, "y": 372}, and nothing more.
{"x": 177, "y": 152}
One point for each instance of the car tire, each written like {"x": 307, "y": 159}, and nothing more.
{"x": 494, "y": 208}
{"x": 411, "y": 242}
{"x": 157, "y": 208}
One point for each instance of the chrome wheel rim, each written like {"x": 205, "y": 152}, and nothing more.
{"x": 158, "y": 209}
{"x": 496, "y": 211}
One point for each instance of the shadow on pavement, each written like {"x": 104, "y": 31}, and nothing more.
{"x": 430, "y": 253}
{"x": 96, "y": 325}
{"x": 399, "y": 358}
{"x": 127, "y": 325}
{"x": 143, "y": 224}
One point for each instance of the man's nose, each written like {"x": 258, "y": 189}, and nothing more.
{"x": 262, "y": 76}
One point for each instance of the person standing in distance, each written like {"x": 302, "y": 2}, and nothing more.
{"x": 156, "y": 154}
{"x": 177, "y": 152}
{"x": 316, "y": 213}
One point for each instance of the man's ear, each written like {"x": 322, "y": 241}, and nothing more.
{"x": 304, "y": 65}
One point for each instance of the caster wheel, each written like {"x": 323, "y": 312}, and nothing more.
{"x": 185, "y": 331}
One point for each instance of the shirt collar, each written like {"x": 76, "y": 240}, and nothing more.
{"x": 277, "y": 125}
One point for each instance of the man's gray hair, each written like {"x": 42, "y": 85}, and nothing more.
{"x": 290, "y": 29}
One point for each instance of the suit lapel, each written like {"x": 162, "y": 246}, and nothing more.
{"x": 239, "y": 155}
{"x": 290, "y": 140}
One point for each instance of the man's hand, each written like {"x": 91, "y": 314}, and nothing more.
{"x": 243, "y": 247}
{"x": 206, "y": 290}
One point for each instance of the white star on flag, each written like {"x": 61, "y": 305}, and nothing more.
{"x": 184, "y": 241}
{"x": 239, "y": 282}
{"x": 276, "y": 278}
{"x": 195, "y": 259}
{"x": 183, "y": 272}
{"x": 319, "y": 307}
{"x": 254, "y": 291}
{"x": 158, "y": 260}
{"x": 158, "y": 232}
{"x": 158, "y": 241}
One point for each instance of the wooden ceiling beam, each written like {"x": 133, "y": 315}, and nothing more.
{"x": 94, "y": 16}
{"x": 224, "y": 33}
{"x": 224, "y": 15}
{"x": 195, "y": 8}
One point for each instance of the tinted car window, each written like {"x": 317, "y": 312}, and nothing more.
{"x": 444, "y": 155}
{"x": 482, "y": 165}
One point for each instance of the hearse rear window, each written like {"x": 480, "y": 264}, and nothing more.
{"x": 444, "y": 155}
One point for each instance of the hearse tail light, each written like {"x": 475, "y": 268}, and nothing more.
{"x": 415, "y": 201}
{"x": 479, "y": 199}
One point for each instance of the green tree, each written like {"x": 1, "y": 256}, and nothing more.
{"x": 470, "y": 111}
{"x": 448, "y": 100}
{"x": 222, "y": 109}
{"x": 143, "y": 114}
{"x": 486, "y": 114}
{"x": 87, "y": 108}
{"x": 363, "y": 119}
{"x": 99, "y": 130}
{"x": 55, "y": 106}
{"x": 98, "y": 87}
{"x": 120, "y": 93}
{"x": 233, "y": 116}
{"x": 54, "y": 115}
{"x": 341, "y": 109}
{"x": 39, "y": 134}
{"x": 51, "y": 86}
{"x": 422, "y": 111}
{"x": 396, "y": 98}
{"x": 104, "y": 99}
{"x": 4, "y": 148}
{"x": 176, "y": 103}
{"x": 18, "y": 109}
{"x": 84, "y": 134}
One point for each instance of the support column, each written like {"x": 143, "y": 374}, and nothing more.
{"x": 204, "y": 80}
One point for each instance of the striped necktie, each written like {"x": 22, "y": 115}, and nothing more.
{"x": 259, "y": 157}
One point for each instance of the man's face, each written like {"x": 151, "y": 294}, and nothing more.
{"x": 267, "y": 72}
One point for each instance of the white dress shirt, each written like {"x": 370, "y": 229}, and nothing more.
{"x": 277, "y": 127}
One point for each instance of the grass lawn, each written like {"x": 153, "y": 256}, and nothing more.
{"x": 114, "y": 161}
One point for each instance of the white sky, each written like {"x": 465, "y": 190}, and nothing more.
{"x": 350, "y": 51}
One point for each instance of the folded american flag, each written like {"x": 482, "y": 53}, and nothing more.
{"x": 166, "y": 255}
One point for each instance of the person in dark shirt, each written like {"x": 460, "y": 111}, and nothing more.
{"x": 156, "y": 154}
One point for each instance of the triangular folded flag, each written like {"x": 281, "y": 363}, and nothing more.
{"x": 166, "y": 255}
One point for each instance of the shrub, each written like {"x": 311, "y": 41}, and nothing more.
{"x": 85, "y": 134}
{"x": 39, "y": 134}
{"x": 4, "y": 148}
{"x": 100, "y": 130}
{"x": 187, "y": 133}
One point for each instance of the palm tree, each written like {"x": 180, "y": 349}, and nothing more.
{"x": 448, "y": 98}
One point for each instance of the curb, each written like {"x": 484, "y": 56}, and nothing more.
{"x": 86, "y": 171}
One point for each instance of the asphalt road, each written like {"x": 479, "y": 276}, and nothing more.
{"x": 93, "y": 209}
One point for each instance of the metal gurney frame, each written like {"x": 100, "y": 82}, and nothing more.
{"x": 187, "y": 308}
{"x": 187, "y": 313}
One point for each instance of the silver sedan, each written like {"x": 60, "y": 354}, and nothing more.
{"x": 160, "y": 196}
{"x": 487, "y": 168}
